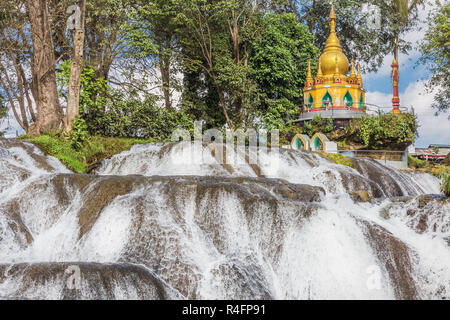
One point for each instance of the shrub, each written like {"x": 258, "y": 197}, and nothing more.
{"x": 79, "y": 134}
{"x": 112, "y": 113}
{"x": 445, "y": 187}
{"x": 382, "y": 132}
{"x": 390, "y": 132}
{"x": 446, "y": 161}
{"x": 416, "y": 163}
{"x": 143, "y": 119}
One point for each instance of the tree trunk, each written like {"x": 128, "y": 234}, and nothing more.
{"x": 73, "y": 98}
{"x": 50, "y": 114}
{"x": 396, "y": 48}
{"x": 224, "y": 108}
{"x": 164, "y": 67}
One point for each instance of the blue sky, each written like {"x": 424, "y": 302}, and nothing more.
{"x": 413, "y": 77}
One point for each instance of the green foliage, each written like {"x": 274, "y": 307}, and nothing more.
{"x": 387, "y": 131}
{"x": 330, "y": 126}
{"x": 111, "y": 113}
{"x": 445, "y": 187}
{"x": 61, "y": 150}
{"x": 143, "y": 119}
{"x": 80, "y": 160}
{"x": 279, "y": 65}
{"x": 3, "y": 108}
{"x": 382, "y": 132}
{"x": 93, "y": 95}
{"x": 436, "y": 54}
{"x": 3, "y": 112}
{"x": 200, "y": 99}
{"x": 79, "y": 134}
{"x": 416, "y": 163}
{"x": 318, "y": 124}
{"x": 442, "y": 171}
{"x": 446, "y": 161}
{"x": 243, "y": 59}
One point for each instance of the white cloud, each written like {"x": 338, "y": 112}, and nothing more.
{"x": 414, "y": 37}
{"x": 433, "y": 129}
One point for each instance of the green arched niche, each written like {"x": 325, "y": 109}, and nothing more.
{"x": 317, "y": 144}
{"x": 348, "y": 100}
{"x": 327, "y": 97}
{"x": 298, "y": 144}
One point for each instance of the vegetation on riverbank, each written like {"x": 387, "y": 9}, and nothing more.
{"x": 80, "y": 159}
{"x": 442, "y": 171}
{"x": 382, "y": 132}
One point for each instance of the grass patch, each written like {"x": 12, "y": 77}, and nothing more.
{"x": 94, "y": 150}
{"x": 338, "y": 159}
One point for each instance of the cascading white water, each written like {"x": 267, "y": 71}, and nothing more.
{"x": 291, "y": 165}
{"x": 284, "y": 230}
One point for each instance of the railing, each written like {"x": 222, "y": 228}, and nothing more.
{"x": 328, "y": 106}
{"x": 373, "y": 109}
{"x": 369, "y": 108}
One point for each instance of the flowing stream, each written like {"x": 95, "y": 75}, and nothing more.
{"x": 171, "y": 221}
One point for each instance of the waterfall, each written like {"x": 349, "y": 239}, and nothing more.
{"x": 158, "y": 222}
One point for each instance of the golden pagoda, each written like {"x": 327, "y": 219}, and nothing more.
{"x": 332, "y": 90}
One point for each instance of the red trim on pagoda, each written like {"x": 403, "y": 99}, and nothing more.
{"x": 335, "y": 108}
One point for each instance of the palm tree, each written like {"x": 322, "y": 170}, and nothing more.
{"x": 402, "y": 9}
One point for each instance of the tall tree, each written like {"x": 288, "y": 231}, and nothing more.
{"x": 404, "y": 16}
{"x": 73, "y": 97}
{"x": 217, "y": 39}
{"x": 151, "y": 36}
{"x": 50, "y": 115}
{"x": 279, "y": 64}
{"x": 15, "y": 62}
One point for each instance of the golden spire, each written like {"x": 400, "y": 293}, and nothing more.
{"x": 359, "y": 75}
{"x": 333, "y": 50}
{"x": 319, "y": 69}
{"x": 332, "y": 41}
{"x": 332, "y": 20}
{"x": 352, "y": 69}
{"x": 309, "y": 76}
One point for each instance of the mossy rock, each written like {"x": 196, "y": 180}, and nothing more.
{"x": 338, "y": 159}
{"x": 86, "y": 158}
{"x": 360, "y": 196}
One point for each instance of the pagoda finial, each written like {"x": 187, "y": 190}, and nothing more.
{"x": 319, "y": 69}
{"x": 360, "y": 81}
{"x": 309, "y": 78}
{"x": 332, "y": 19}
{"x": 332, "y": 49}
{"x": 352, "y": 69}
